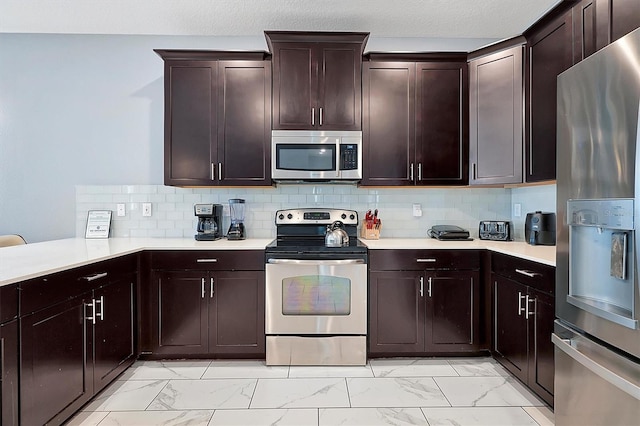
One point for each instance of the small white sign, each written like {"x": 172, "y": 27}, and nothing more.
{"x": 98, "y": 224}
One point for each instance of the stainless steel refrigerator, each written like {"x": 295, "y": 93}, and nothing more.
{"x": 597, "y": 334}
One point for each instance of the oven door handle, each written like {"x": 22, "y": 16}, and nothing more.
{"x": 316, "y": 262}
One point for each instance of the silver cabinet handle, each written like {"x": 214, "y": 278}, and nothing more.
{"x": 203, "y": 292}
{"x": 528, "y": 273}
{"x": 211, "y": 294}
{"x": 427, "y": 260}
{"x": 313, "y": 116}
{"x": 219, "y": 171}
{"x": 411, "y": 172}
{"x": 321, "y": 116}
{"x": 101, "y": 302}
{"x": 565, "y": 345}
{"x": 92, "y": 306}
{"x": 421, "y": 287}
{"x": 429, "y": 288}
{"x": 213, "y": 171}
{"x": 95, "y": 277}
{"x": 419, "y": 171}
{"x": 206, "y": 260}
{"x": 520, "y": 308}
{"x": 315, "y": 262}
{"x": 526, "y": 311}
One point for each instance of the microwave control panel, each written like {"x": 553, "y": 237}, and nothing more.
{"x": 348, "y": 156}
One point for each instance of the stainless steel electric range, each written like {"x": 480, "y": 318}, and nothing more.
{"x": 316, "y": 296}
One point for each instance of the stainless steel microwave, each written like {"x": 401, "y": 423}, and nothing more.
{"x": 311, "y": 155}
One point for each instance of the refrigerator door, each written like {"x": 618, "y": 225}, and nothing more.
{"x": 598, "y": 188}
{"x": 593, "y": 384}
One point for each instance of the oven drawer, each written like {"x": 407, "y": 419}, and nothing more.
{"x": 418, "y": 260}
{"x": 209, "y": 260}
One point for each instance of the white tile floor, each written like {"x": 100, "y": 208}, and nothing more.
{"x": 463, "y": 391}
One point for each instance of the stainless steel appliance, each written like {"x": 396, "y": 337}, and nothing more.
{"x": 540, "y": 228}
{"x": 495, "y": 230}
{"x": 236, "y": 212}
{"x": 209, "y": 225}
{"x": 311, "y": 156}
{"x": 597, "y": 334}
{"x": 316, "y": 296}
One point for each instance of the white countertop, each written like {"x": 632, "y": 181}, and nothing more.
{"x": 24, "y": 262}
{"x": 20, "y": 263}
{"x": 540, "y": 254}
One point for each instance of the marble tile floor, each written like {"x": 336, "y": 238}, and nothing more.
{"x": 397, "y": 391}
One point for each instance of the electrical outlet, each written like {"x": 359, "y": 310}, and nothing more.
{"x": 146, "y": 209}
{"x": 120, "y": 210}
{"x": 417, "y": 210}
{"x": 225, "y": 210}
{"x": 517, "y": 210}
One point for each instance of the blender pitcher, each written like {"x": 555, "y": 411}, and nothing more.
{"x": 236, "y": 210}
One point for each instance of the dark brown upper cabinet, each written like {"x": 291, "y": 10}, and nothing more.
{"x": 495, "y": 114}
{"x": 217, "y": 118}
{"x": 317, "y": 80}
{"x": 415, "y": 123}
{"x": 549, "y": 52}
{"x": 624, "y": 17}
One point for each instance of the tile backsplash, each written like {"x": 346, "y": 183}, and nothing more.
{"x": 172, "y": 207}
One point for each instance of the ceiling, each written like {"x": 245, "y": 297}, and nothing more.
{"x": 488, "y": 20}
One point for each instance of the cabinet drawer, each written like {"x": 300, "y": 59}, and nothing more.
{"x": 418, "y": 260}
{"x": 8, "y": 302}
{"x": 46, "y": 291}
{"x": 210, "y": 260}
{"x": 533, "y": 274}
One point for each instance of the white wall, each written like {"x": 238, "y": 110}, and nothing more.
{"x": 78, "y": 109}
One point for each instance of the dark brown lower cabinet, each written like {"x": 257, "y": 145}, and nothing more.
{"x": 423, "y": 311}
{"x": 523, "y": 322}
{"x": 209, "y": 312}
{"x": 72, "y": 349}
{"x": 9, "y": 391}
{"x": 55, "y": 372}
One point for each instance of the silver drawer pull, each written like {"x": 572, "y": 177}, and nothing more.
{"x": 528, "y": 273}
{"x": 430, "y": 260}
{"x": 207, "y": 260}
{"x": 95, "y": 277}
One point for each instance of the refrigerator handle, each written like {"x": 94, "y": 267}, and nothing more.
{"x": 618, "y": 381}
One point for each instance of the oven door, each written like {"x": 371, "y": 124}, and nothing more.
{"x": 316, "y": 297}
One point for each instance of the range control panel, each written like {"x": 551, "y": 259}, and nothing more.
{"x": 317, "y": 216}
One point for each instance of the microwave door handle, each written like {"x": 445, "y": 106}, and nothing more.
{"x": 338, "y": 171}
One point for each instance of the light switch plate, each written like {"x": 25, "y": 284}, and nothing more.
{"x": 517, "y": 210}
{"x": 417, "y": 210}
{"x": 146, "y": 209}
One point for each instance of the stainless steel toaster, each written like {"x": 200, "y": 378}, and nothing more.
{"x": 496, "y": 230}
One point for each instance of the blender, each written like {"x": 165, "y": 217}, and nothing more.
{"x": 236, "y": 211}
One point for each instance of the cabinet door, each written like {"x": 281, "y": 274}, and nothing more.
{"x": 590, "y": 27}
{"x": 541, "y": 359}
{"x": 453, "y": 306}
{"x": 549, "y": 53}
{"x": 295, "y": 83}
{"x": 182, "y": 312}
{"x": 244, "y": 123}
{"x": 442, "y": 147}
{"x": 339, "y": 86}
{"x": 9, "y": 391}
{"x": 496, "y": 126}
{"x": 388, "y": 123}
{"x": 236, "y": 322}
{"x": 55, "y": 380}
{"x": 190, "y": 122}
{"x": 396, "y": 312}
{"x": 114, "y": 330}
{"x": 510, "y": 325}
{"x": 625, "y": 17}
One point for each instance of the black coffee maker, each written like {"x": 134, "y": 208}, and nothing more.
{"x": 209, "y": 221}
